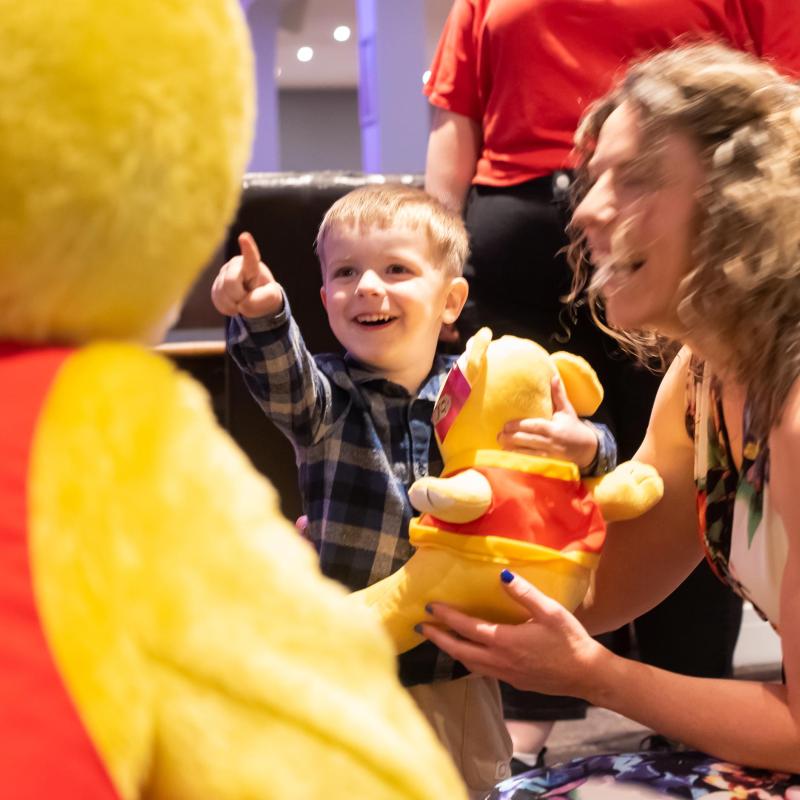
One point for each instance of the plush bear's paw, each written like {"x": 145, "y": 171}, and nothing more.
{"x": 628, "y": 491}
{"x": 460, "y": 498}
{"x": 430, "y": 495}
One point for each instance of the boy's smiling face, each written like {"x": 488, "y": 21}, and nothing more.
{"x": 386, "y": 298}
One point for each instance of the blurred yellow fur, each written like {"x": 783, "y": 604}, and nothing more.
{"x": 204, "y": 652}
{"x": 124, "y": 129}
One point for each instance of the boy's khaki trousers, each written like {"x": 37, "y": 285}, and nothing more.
{"x": 467, "y": 715}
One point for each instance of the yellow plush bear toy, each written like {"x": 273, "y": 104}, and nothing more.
{"x": 494, "y": 509}
{"x": 165, "y": 632}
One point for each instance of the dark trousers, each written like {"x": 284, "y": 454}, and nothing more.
{"x": 518, "y": 275}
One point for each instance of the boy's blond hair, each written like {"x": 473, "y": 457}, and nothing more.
{"x": 385, "y": 205}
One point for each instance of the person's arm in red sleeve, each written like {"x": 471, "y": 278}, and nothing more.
{"x": 455, "y": 139}
{"x": 453, "y": 149}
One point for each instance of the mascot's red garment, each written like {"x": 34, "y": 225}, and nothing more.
{"x": 32, "y": 694}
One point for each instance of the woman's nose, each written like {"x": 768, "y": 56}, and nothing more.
{"x": 597, "y": 208}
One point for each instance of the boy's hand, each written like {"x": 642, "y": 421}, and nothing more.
{"x": 565, "y": 436}
{"x": 245, "y": 285}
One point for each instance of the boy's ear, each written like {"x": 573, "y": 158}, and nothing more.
{"x": 324, "y": 297}
{"x": 454, "y": 302}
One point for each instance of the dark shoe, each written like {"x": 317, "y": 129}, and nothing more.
{"x": 656, "y": 743}
{"x": 518, "y": 767}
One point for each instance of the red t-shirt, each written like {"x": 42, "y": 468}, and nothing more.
{"x": 525, "y": 70}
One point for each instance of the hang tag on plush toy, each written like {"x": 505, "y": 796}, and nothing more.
{"x": 452, "y": 397}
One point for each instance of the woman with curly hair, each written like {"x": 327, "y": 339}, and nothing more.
{"x": 686, "y": 232}
{"x": 508, "y": 85}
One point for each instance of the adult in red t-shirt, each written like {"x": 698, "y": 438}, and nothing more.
{"x": 523, "y": 71}
{"x": 509, "y": 82}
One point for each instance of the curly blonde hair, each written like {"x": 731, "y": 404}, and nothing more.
{"x": 743, "y": 292}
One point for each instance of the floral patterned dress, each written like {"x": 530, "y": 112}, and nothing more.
{"x": 745, "y": 545}
{"x": 686, "y": 775}
{"x": 743, "y": 536}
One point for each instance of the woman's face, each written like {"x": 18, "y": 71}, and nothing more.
{"x": 638, "y": 217}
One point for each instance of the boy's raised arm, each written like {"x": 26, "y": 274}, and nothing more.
{"x": 268, "y": 348}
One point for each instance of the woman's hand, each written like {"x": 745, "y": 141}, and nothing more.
{"x": 550, "y": 653}
{"x": 565, "y": 436}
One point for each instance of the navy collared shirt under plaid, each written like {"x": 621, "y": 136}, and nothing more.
{"x": 360, "y": 441}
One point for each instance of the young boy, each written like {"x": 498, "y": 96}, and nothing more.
{"x": 391, "y": 259}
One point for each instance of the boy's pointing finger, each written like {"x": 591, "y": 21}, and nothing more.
{"x": 251, "y": 257}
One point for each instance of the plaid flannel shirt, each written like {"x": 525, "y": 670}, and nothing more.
{"x": 360, "y": 441}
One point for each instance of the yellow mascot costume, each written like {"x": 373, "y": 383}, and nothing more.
{"x": 493, "y": 509}
{"x": 165, "y": 632}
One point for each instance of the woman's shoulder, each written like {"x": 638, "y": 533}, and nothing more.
{"x": 784, "y": 447}
{"x": 786, "y": 430}
{"x": 666, "y": 432}
{"x": 680, "y": 378}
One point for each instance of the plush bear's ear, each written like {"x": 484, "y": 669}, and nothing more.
{"x": 580, "y": 381}
{"x": 476, "y": 352}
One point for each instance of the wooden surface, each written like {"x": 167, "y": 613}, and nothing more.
{"x": 193, "y": 342}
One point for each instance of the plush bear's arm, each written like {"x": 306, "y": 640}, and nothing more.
{"x": 461, "y": 498}
{"x": 627, "y": 491}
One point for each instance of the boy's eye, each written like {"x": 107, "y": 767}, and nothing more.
{"x": 343, "y": 272}
{"x": 397, "y": 269}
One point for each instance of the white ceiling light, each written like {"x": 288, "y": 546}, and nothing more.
{"x": 341, "y": 33}
{"x": 305, "y": 54}
{"x": 426, "y": 76}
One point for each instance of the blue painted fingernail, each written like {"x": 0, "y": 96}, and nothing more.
{"x": 418, "y": 628}
{"x": 428, "y": 609}
{"x": 506, "y": 576}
